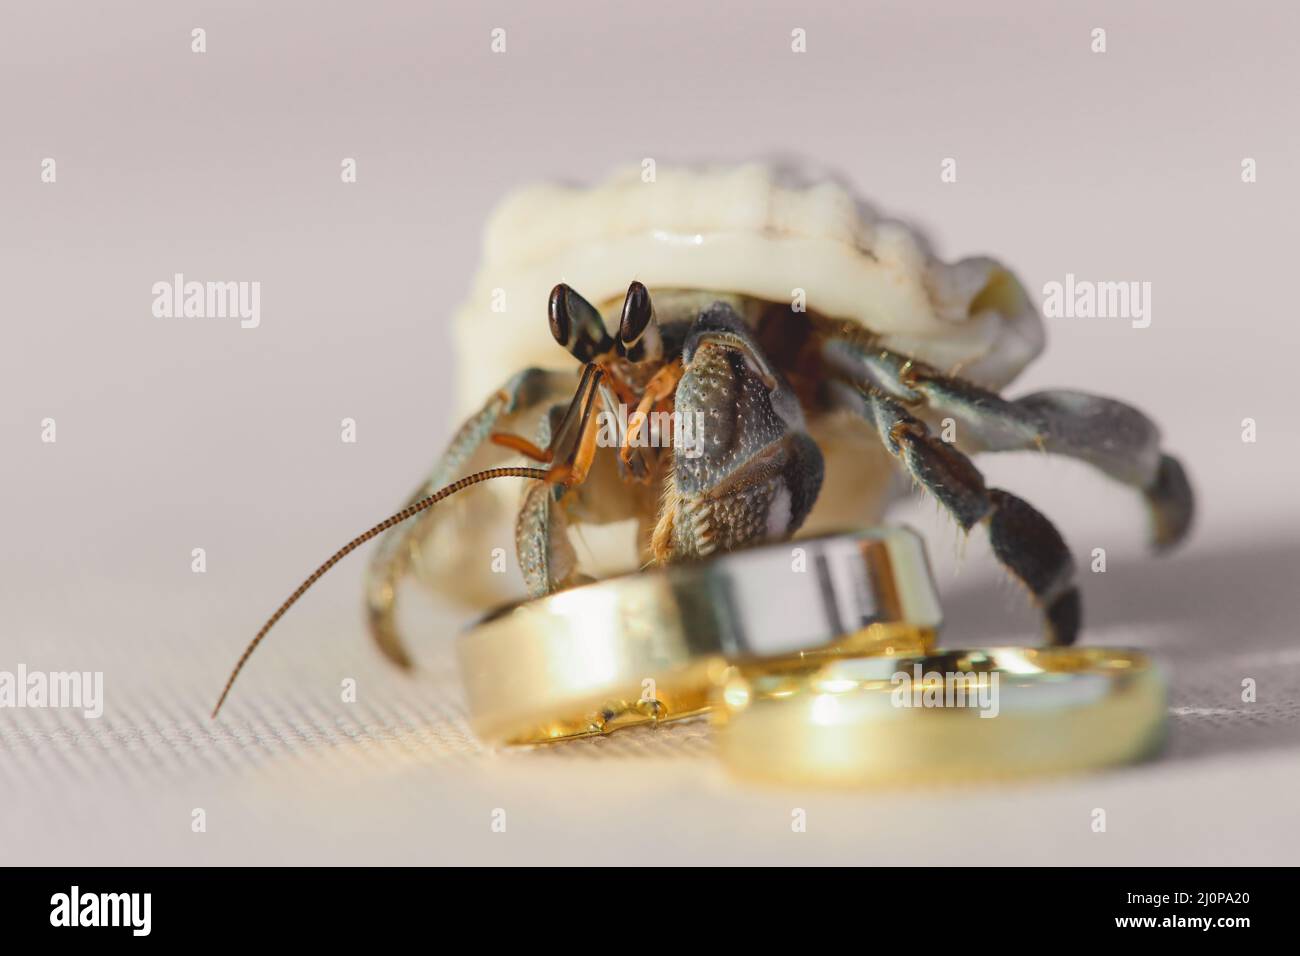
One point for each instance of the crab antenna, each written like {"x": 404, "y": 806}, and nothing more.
{"x": 408, "y": 511}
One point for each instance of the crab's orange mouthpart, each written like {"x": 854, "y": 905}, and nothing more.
{"x": 660, "y": 388}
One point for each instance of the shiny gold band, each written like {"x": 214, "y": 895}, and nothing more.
{"x": 904, "y": 719}
{"x": 651, "y": 646}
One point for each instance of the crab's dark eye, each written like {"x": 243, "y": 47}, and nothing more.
{"x": 638, "y": 333}
{"x": 577, "y": 325}
{"x": 636, "y": 315}
{"x": 558, "y": 311}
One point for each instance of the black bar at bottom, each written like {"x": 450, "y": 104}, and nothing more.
{"x": 226, "y": 906}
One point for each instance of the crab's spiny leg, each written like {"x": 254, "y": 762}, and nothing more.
{"x": 1023, "y": 540}
{"x": 1113, "y": 437}
{"x": 394, "y": 554}
{"x": 546, "y": 556}
{"x": 1171, "y": 504}
{"x": 523, "y": 446}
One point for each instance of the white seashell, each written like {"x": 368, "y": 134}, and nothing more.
{"x": 742, "y": 229}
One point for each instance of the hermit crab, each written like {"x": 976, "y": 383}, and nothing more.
{"x": 805, "y": 349}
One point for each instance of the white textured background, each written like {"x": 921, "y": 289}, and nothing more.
{"x": 177, "y": 434}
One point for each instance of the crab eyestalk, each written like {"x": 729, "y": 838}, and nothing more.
{"x": 639, "y": 336}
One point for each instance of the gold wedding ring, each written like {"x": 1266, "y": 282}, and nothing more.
{"x": 948, "y": 717}
{"x": 654, "y": 645}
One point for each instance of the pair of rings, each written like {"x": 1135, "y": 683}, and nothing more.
{"x": 816, "y": 660}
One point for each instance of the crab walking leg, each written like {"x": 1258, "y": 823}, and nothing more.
{"x": 546, "y": 556}
{"x": 1115, "y": 438}
{"x": 396, "y": 550}
{"x": 1023, "y": 540}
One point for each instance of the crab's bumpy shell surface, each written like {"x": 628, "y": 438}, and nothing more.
{"x": 732, "y": 230}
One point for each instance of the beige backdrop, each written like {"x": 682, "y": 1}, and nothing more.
{"x": 175, "y": 434}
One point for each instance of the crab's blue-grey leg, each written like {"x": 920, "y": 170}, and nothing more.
{"x": 568, "y": 431}
{"x": 397, "y": 548}
{"x": 546, "y": 556}
{"x": 1023, "y": 540}
{"x": 1113, "y": 437}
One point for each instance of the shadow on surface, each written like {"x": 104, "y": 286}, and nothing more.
{"x": 1214, "y": 617}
